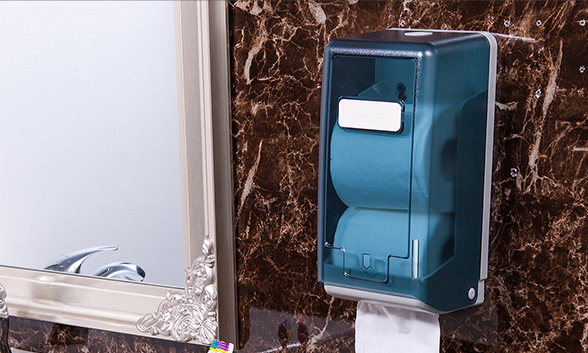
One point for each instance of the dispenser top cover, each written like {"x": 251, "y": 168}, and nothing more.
{"x": 407, "y": 121}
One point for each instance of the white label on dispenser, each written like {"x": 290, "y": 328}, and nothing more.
{"x": 370, "y": 115}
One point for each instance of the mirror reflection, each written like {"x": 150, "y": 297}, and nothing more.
{"x": 89, "y": 146}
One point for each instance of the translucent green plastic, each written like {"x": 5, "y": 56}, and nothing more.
{"x": 382, "y": 191}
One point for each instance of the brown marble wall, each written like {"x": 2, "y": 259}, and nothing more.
{"x": 536, "y": 297}
{"x": 45, "y": 337}
{"x": 536, "y": 293}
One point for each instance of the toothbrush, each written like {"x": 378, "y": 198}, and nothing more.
{"x": 222, "y": 347}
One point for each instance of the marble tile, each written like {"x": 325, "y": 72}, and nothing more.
{"x": 38, "y": 336}
{"x": 536, "y": 291}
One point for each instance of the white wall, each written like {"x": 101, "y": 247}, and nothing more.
{"x": 89, "y": 151}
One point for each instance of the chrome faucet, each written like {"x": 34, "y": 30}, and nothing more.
{"x": 121, "y": 270}
{"x": 72, "y": 263}
{"x": 3, "y": 322}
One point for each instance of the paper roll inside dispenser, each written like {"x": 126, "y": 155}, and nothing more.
{"x": 372, "y": 168}
{"x": 359, "y": 232}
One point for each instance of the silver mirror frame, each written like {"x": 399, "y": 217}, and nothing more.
{"x": 207, "y": 204}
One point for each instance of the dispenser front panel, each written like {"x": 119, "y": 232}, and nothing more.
{"x": 369, "y": 165}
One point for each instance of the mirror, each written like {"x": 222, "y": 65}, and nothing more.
{"x": 179, "y": 204}
{"x": 89, "y": 136}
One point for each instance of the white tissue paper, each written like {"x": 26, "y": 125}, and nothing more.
{"x": 381, "y": 328}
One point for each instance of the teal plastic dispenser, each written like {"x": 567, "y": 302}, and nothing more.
{"x": 407, "y": 123}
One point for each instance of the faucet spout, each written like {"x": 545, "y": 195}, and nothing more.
{"x": 72, "y": 262}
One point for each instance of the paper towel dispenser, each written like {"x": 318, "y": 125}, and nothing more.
{"x": 407, "y": 121}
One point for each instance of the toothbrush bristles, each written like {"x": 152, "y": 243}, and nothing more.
{"x": 220, "y": 346}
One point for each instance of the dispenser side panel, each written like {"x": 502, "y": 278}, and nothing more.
{"x": 459, "y": 166}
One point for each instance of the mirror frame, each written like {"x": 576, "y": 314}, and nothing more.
{"x": 201, "y": 29}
